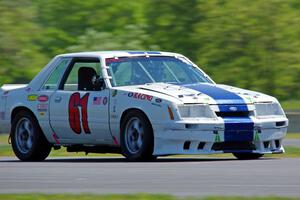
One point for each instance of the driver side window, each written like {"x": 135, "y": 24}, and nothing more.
{"x": 85, "y": 75}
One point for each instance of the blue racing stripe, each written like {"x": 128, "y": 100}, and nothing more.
{"x": 143, "y": 52}
{"x": 136, "y": 52}
{"x": 153, "y": 52}
{"x": 220, "y": 95}
{"x": 233, "y": 108}
{"x": 236, "y": 128}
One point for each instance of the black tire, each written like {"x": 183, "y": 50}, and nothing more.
{"x": 145, "y": 151}
{"x": 36, "y": 147}
{"x": 247, "y": 156}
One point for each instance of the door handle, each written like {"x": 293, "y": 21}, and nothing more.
{"x": 57, "y": 99}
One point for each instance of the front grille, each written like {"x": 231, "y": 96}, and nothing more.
{"x": 233, "y": 114}
{"x": 221, "y": 146}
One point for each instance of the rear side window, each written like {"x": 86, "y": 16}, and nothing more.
{"x": 53, "y": 80}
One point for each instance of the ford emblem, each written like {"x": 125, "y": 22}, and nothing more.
{"x": 233, "y": 109}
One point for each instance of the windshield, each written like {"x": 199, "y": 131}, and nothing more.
{"x": 140, "y": 70}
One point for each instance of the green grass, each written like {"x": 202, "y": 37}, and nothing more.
{"x": 6, "y": 151}
{"x": 293, "y": 136}
{"x": 127, "y": 197}
{"x": 291, "y": 105}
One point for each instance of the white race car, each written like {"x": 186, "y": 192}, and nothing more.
{"x": 142, "y": 104}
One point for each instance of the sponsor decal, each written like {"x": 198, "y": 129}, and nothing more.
{"x": 114, "y": 93}
{"x": 32, "y": 97}
{"x": 6, "y": 92}
{"x": 256, "y": 137}
{"x": 140, "y": 96}
{"x": 43, "y": 98}
{"x": 104, "y": 100}
{"x": 28, "y": 89}
{"x": 42, "y": 107}
{"x": 42, "y": 114}
{"x": 75, "y": 121}
{"x": 99, "y": 101}
{"x": 217, "y": 138}
{"x": 113, "y": 60}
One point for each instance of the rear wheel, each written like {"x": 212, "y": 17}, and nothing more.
{"x": 247, "y": 156}
{"x": 28, "y": 141}
{"x": 137, "y": 137}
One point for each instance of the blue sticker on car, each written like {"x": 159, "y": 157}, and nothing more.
{"x": 143, "y": 52}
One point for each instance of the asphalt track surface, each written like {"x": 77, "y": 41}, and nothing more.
{"x": 176, "y": 176}
{"x": 291, "y": 142}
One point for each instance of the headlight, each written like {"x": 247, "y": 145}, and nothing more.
{"x": 196, "y": 111}
{"x": 268, "y": 110}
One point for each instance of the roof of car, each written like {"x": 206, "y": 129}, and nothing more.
{"x": 118, "y": 53}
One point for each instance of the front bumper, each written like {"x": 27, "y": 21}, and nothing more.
{"x": 208, "y": 137}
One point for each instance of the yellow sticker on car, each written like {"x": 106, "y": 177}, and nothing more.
{"x": 32, "y": 97}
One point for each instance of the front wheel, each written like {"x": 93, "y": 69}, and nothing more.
{"x": 247, "y": 156}
{"x": 28, "y": 141}
{"x": 137, "y": 137}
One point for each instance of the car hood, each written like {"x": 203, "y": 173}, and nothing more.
{"x": 208, "y": 93}
{"x": 8, "y": 87}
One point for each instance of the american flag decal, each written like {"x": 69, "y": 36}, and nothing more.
{"x": 96, "y": 100}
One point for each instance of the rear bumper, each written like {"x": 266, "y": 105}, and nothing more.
{"x": 210, "y": 138}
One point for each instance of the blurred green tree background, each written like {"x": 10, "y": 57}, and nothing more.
{"x": 251, "y": 44}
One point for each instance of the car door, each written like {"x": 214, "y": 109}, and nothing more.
{"x": 79, "y": 108}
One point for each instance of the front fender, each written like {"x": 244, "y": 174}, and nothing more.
{"x": 156, "y": 109}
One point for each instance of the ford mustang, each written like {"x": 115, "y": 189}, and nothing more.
{"x": 142, "y": 104}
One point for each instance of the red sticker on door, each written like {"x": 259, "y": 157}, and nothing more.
{"x": 74, "y": 113}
